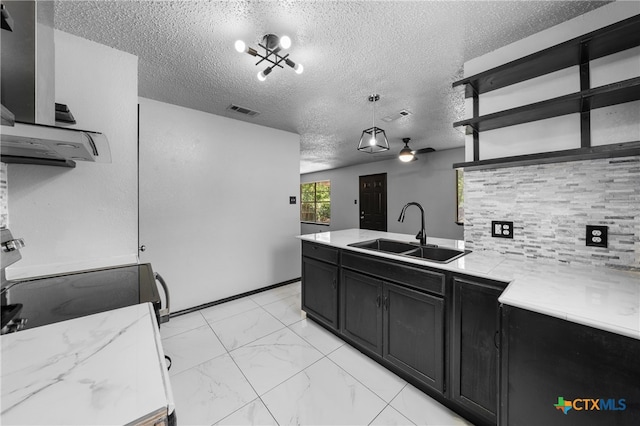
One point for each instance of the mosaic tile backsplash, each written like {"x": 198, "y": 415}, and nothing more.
{"x": 4, "y": 195}
{"x": 551, "y": 204}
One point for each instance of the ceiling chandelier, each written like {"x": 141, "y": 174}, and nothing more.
{"x": 272, "y": 45}
{"x": 374, "y": 138}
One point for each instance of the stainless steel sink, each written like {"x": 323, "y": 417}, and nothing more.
{"x": 431, "y": 253}
{"x": 382, "y": 244}
{"x": 437, "y": 254}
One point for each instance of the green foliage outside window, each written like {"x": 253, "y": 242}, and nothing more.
{"x": 459, "y": 196}
{"x": 315, "y": 202}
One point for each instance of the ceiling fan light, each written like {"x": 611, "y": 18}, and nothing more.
{"x": 406, "y": 154}
{"x": 285, "y": 42}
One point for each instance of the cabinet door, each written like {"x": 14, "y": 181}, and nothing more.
{"x": 546, "y": 360}
{"x": 474, "y": 354}
{"x": 320, "y": 291}
{"x": 361, "y": 316}
{"x": 414, "y": 333}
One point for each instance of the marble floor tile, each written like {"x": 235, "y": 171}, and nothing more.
{"x": 254, "y": 413}
{"x": 181, "y": 324}
{"x": 210, "y": 391}
{"x": 286, "y": 310}
{"x": 323, "y": 394}
{"x": 323, "y": 340}
{"x": 228, "y": 309}
{"x": 390, "y": 417}
{"x": 423, "y": 410}
{"x": 242, "y": 329}
{"x": 191, "y": 348}
{"x": 273, "y": 359}
{"x": 381, "y": 381}
{"x": 270, "y": 296}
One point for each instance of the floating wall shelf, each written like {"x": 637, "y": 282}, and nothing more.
{"x": 606, "y": 41}
{"x": 583, "y": 101}
{"x": 605, "y": 151}
{"x": 579, "y": 51}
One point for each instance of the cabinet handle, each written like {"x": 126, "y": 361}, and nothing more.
{"x": 378, "y": 301}
{"x": 385, "y": 303}
{"x": 335, "y": 284}
{"x": 496, "y": 340}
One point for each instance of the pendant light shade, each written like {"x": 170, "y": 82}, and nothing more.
{"x": 373, "y": 139}
{"x": 406, "y": 154}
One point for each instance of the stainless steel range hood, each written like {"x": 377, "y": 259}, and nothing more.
{"x": 28, "y": 81}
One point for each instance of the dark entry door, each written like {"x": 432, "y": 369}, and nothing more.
{"x": 373, "y": 202}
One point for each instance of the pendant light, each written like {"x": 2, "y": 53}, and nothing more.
{"x": 373, "y": 139}
{"x": 406, "y": 154}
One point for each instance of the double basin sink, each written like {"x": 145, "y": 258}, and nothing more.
{"x": 428, "y": 252}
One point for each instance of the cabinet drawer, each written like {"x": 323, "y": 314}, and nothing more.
{"x": 417, "y": 278}
{"x": 320, "y": 252}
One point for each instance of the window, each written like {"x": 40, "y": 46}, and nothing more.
{"x": 315, "y": 204}
{"x": 459, "y": 196}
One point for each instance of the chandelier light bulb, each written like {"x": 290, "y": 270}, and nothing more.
{"x": 262, "y": 75}
{"x": 285, "y": 42}
{"x": 372, "y": 141}
{"x": 240, "y": 46}
{"x": 298, "y": 68}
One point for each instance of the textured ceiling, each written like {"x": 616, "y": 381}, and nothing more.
{"x": 409, "y": 52}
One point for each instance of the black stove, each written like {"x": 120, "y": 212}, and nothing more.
{"x": 54, "y": 298}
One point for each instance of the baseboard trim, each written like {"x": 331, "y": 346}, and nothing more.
{"x": 229, "y": 299}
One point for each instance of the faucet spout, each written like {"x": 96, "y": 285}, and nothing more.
{"x": 422, "y": 235}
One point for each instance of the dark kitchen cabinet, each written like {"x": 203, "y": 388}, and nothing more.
{"x": 320, "y": 283}
{"x": 474, "y": 345}
{"x": 361, "y": 299}
{"x": 547, "y": 362}
{"x": 413, "y": 333}
{"x": 402, "y": 325}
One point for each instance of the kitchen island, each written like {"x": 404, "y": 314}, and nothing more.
{"x": 106, "y": 368}
{"x": 454, "y": 329}
{"x": 558, "y": 290}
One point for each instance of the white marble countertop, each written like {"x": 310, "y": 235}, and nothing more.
{"x": 102, "y": 369}
{"x": 603, "y": 298}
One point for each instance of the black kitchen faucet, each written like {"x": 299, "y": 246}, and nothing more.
{"x": 422, "y": 235}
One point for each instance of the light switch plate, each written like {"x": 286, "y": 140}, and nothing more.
{"x": 598, "y": 236}
{"x": 501, "y": 229}
{"x": 292, "y": 199}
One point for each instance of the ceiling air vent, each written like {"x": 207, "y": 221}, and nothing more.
{"x": 394, "y": 117}
{"x": 243, "y": 110}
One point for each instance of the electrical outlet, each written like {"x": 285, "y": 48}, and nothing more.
{"x": 501, "y": 229}
{"x": 597, "y": 235}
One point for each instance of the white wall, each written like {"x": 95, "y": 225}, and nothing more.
{"x": 214, "y": 203}
{"x": 609, "y": 125}
{"x": 430, "y": 181}
{"x": 85, "y": 217}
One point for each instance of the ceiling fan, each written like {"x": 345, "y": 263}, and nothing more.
{"x": 407, "y": 154}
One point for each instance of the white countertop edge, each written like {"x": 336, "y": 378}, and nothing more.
{"x": 161, "y": 364}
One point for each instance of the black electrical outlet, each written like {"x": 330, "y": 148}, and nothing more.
{"x": 292, "y": 199}
{"x": 501, "y": 229}
{"x": 597, "y": 236}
